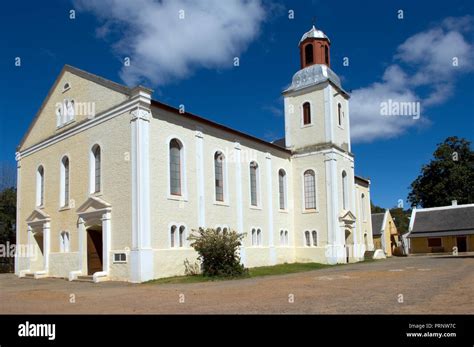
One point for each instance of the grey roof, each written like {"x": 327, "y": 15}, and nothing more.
{"x": 449, "y": 221}
{"x": 280, "y": 142}
{"x": 377, "y": 220}
{"x": 313, "y": 75}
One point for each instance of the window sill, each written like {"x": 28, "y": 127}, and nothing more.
{"x": 255, "y": 207}
{"x": 177, "y": 198}
{"x": 59, "y": 127}
{"x": 221, "y": 203}
{"x": 283, "y": 211}
{"x": 310, "y": 211}
{"x": 64, "y": 208}
{"x": 307, "y": 125}
{"x": 41, "y": 207}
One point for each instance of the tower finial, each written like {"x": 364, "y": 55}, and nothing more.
{"x": 313, "y": 21}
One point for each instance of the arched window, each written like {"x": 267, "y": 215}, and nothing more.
{"x": 175, "y": 167}
{"x": 362, "y": 204}
{"x": 307, "y": 238}
{"x": 339, "y": 114}
{"x": 345, "y": 191}
{"x": 314, "y": 234}
{"x": 326, "y": 54}
{"x": 96, "y": 169}
{"x": 64, "y": 244}
{"x": 219, "y": 175}
{"x": 254, "y": 237}
{"x": 172, "y": 236}
{"x": 254, "y": 183}
{"x": 64, "y": 178}
{"x": 218, "y": 230}
{"x": 282, "y": 188}
{"x": 282, "y": 237}
{"x": 308, "y": 53}
{"x": 309, "y": 190}
{"x": 287, "y": 240}
{"x": 40, "y": 186}
{"x": 306, "y": 113}
{"x": 259, "y": 237}
{"x": 182, "y": 235}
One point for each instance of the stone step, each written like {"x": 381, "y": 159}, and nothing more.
{"x": 85, "y": 279}
{"x": 29, "y": 276}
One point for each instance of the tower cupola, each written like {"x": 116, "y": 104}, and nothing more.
{"x": 314, "y": 48}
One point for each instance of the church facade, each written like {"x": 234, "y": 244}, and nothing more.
{"x": 111, "y": 182}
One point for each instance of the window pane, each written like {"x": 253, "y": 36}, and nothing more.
{"x": 281, "y": 183}
{"x": 315, "y": 238}
{"x": 309, "y": 190}
{"x": 306, "y": 113}
{"x": 41, "y": 172}
{"x": 253, "y": 183}
{"x": 172, "y": 235}
{"x": 66, "y": 181}
{"x": 181, "y": 236}
{"x": 97, "y": 163}
{"x": 219, "y": 179}
{"x": 175, "y": 168}
{"x": 307, "y": 238}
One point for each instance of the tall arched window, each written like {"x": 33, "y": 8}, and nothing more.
{"x": 345, "y": 191}
{"x": 309, "y": 190}
{"x": 307, "y": 238}
{"x": 362, "y": 204}
{"x": 282, "y": 188}
{"x": 64, "y": 245}
{"x": 339, "y": 114}
{"x": 287, "y": 239}
{"x": 175, "y": 167}
{"x": 172, "y": 236}
{"x": 97, "y": 164}
{"x": 64, "y": 178}
{"x": 282, "y": 237}
{"x": 314, "y": 234}
{"x": 259, "y": 237}
{"x": 306, "y": 113}
{"x": 219, "y": 175}
{"x": 254, "y": 237}
{"x": 308, "y": 53}
{"x": 40, "y": 186}
{"x": 254, "y": 183}
{"x": 182, "y": 235}
{"x": 326, "y": 54}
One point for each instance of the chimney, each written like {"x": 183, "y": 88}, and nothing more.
{"x": 454, "y": 203}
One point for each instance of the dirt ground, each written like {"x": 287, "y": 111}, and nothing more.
{"x": 422, "y": 284}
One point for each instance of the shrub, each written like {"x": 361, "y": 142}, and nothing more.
{"x": 218, "y": 252}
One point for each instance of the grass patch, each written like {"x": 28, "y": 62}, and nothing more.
{"x": 280, "y": 269}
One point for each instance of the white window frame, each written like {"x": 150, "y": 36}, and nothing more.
{"x": 40, "y": 188}
{"x": 285, "y": 191}
{"x": 345, "y": 189}
{"x": 64, "y": 241}
{"x": 92, "y": 170}
{"x": 257, "y": 185}
{"x": 63, "y": 204}
{"x": 184, "y": 186}
{"x": 303, "y": 192}
{"x": 302, "y": 125}
{"x": 225, "y": 190}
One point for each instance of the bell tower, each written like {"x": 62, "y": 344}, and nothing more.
{"x": 314, "y": 48}
{"x": 316, "y": 105}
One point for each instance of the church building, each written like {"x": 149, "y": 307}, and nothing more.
{"x": 112, "y": 182}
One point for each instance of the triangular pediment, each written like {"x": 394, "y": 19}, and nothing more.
{"x": 38, "y": 216}
{"x": 347, "y": 216}
{"x": 94, "y": 204}
{"x": 91, "y": 95}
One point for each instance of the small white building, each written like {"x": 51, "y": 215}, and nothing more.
{"x": 111, "y": 182}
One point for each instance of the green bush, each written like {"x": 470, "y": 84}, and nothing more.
{"x": 218, "y": 252}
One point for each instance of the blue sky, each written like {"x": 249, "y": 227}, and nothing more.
{"x": 248, "y": 97}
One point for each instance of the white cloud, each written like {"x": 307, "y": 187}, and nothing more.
{"x": 423, "y": 71}
{"x": 162, "y": 47}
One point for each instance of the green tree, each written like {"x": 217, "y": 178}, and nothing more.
{"x": 7, "y": 224}
{"x": 449, "y": 176}
{"x": 376, "y": 209}
{"x": 218, "y": 252}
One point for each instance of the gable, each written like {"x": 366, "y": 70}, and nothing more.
{"x": 90, "y": 94}
{"x": 37, "y": 216}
